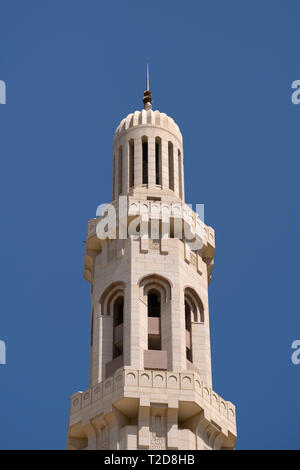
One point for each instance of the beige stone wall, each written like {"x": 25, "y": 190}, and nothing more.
{"x": 130, "y": 269}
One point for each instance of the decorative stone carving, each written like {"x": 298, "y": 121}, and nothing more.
{"x": 158, "y": 433}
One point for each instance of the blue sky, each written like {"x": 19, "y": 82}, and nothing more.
{"x": 223, "y": 71}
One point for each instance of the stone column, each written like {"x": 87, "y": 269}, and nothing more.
{"x": 178, "y": 329}
{"x": 143, "y": 423}
{"x": 175, "y": 165}
{"x": 165, "y": 164}
{"x": 126, "y": 325}
{"x": 172, "y": 424}
{"x": 166, "y": 331}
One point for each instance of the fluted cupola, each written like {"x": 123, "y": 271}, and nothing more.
{"x": 148, "y": 155}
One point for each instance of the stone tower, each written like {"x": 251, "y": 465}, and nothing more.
{"x": 150, "y": 362}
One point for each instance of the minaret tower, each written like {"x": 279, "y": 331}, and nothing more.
{"x": 150, "y": 361}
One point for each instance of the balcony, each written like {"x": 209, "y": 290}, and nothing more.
{"x": 113, "y": 365}
{"x": 154, "y": 359}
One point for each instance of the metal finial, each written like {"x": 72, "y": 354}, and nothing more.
{"x": 147, "y": 81}
{"x": 147, "y": 100}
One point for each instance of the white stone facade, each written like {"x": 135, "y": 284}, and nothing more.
{"x": 150, "y": 362}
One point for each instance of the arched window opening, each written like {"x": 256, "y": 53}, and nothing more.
{"x": 111, "y": 311}
{"x": 189, "y": 354}
{"x": 194, "y": 313}
{"x": 145, "y": 160}
{"x": 120, "y": 170}
{"x": 118, "y": 311}
{"x": 118, "y": 317}
{"x": 153, "y": 304}
{"x": 156, "y": 293}
{"x": 171, "y": 165}
{"x": 154, "y": 333}
{"x": 188, "y": 314}
{"x": 131, "y": 163}
{"x": 195, "y": 303}
{"x": 158, "y": 166}
{"x": 180, "y": 174}
{"x": 156, "y": 283}
{"x": 188, "y": 328}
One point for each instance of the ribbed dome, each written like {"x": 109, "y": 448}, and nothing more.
{"x": 151, "y": 118}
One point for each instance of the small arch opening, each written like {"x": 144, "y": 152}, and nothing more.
{"x": 188, "y": 314}
{"x": 158, "y": 165}
{"x": 154, "y": 310}
{"x": 118, "y": 318}
{"x": 145, "y": 159}
{"x": 154, "y": 304}
{"x": 188, "y": 328}
{"x": 171, "y": 165}
{"x": 131, "y": 163}
{"x": 118, "y": 311}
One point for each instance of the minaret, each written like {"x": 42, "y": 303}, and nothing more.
{"x": 150, "y": 360}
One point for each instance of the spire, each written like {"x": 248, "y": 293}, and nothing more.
{"x": 147, "y": 100}
{"x": 147, "y": 81}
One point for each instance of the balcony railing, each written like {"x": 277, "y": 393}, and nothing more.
{"x": 113, "y": 365}
{"x": 153, "y": 326}
{"x": 155, "y": 359}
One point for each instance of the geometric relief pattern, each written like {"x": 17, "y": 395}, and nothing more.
{"x": 158, "y": 433}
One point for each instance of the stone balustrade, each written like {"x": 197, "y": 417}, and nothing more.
{"x": 127, "y": 379}
{"x": 161, "y": 210}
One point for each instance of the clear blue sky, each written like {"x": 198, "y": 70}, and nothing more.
{"x": 223, "y": 71}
